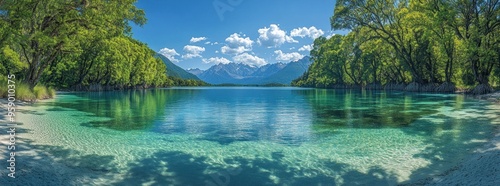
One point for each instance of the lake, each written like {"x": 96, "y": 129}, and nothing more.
{"x": 252, "y": 136}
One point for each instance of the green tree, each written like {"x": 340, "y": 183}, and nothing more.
{"x": 45, "y": 30}
{"x": 9, "y": 61}
{"x": 476, "y": 22}
{"x": 395, "y": 23}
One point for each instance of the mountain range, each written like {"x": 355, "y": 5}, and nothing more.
{"x": 242, "y": 74}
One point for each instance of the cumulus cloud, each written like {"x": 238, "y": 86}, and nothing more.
{"x": 306, "y": 48}
{"x": 248, "y": 59}
{"x": 216, "y": 60}
{"x": 192, "y": 51}
{"x": 237, "y": 44}
{"x": 197, "y": 39}
{"x": 311, "y": 32}
{"x": 273, "y": 36}
{"x": 294, "y": 56}
{"x": 170, "y": 54}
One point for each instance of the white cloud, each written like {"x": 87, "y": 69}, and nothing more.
{"x": 170, "y": 54}
{"x": 216, "y": 60}
{"x": 311, "y": 32}
{"x": 210, "y": 43}
{"x": 294, "y": 56}
{"x": 248, "y": 59}
{"x": 273, "y": 36}
{"x": 197, "y": 39}
{"x": 234, "y": 51}
{"x": 237, "y": 44}
{"x": 306, "y": 48}
{"x": 192, "y": 51}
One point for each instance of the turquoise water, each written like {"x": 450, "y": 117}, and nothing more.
{"x": 251, "y": 136}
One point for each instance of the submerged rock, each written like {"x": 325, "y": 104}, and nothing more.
{"x": 413, "y": 87}
{"x": 447, "y": 87}
{"x": 482, "y": 89}
{"x": 374, "y": 86}
{"x": 394, "y": 86}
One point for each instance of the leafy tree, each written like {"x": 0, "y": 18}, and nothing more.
{"x": 46, "y": 30}
{"x": 9, "y": 61}
{"x": 476, "y": 22}
{"x": 421, "y": 42}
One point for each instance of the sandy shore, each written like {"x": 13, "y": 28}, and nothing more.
{"x": 482, "y": 167}
{"x": 4, "y": 106}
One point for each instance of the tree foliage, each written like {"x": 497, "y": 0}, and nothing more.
{"x": 421, "y": 42}
{"x": 77, "y": 44}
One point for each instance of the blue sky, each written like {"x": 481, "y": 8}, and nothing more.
{"x": 199, "y": 34}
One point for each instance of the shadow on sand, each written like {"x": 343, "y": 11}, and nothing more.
{"x": 178, "y": 168}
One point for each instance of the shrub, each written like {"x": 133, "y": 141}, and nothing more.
{"x": 52, "y": 92}
{"x": 24, "y": 93}
{"x": 40, "y": 92}
{"x": 3, "y": 89}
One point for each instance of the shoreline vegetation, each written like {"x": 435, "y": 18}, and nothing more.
{"x": 405, "y": 46}
{"x": 416, "y": 46}
{"x": 24, "y": 93}
{"x": 77, "y": 45}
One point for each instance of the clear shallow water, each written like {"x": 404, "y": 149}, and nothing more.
{"x": 256, "y": 136}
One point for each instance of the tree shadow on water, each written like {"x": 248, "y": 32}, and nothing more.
{"x": 167, "y": 168}
{"x": 447, "y": 149}
{"x": 53, "y": 165}
{"x": 178, "y": 168}
{"x": 275, "y": 171}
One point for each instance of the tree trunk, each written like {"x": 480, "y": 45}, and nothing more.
{"x": 484, "y": 86}
{"x": 32, "y": 79}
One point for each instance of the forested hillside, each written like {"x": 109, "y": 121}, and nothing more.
{"x": 430, "y": 45}
{"x": 77, "y": 45}
{"x": 176, "y": 71}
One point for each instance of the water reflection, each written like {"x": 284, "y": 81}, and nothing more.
{"x": 226, "y": 115}
{"x": 275, "y": 136}
{"x": 370, "y": 109}
{"x": 121, "y": 110}
{"x": 283, "y": 115}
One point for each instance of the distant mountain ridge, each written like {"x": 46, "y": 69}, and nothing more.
{"x": 290, "y": 72}
{"x": 176, "y": 71}
{"x": 242, "y": 74}
{"x": 195, "y": 71}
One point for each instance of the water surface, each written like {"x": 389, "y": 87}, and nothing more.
{"x": 256, "y": 136}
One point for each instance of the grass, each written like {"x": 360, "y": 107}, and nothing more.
{"x": 24, "y": 93}
{"x": 43, "y": 92}
{"x": 3, "y": 88}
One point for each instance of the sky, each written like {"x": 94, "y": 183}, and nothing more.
{"x": 202, "y": 33}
